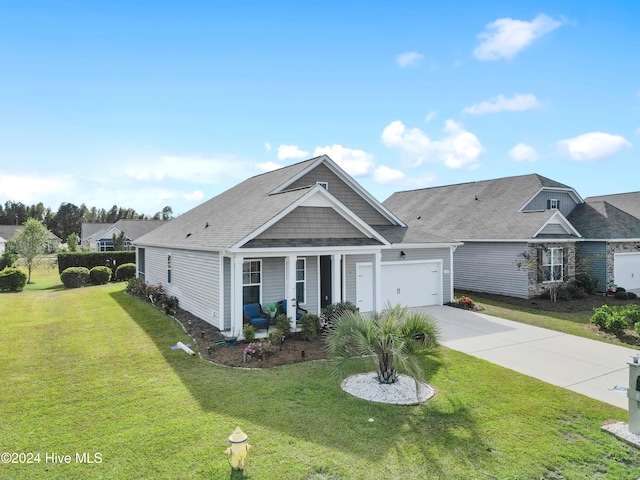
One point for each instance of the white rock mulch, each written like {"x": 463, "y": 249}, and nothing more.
{"x": 621, "y": 430}
{"x": 402, "y": 392}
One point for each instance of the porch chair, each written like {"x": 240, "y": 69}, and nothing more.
{"x": 253, "y": 315}
{"x": 282, "y": 310}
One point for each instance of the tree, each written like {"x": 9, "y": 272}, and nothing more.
{"x": 394, "y": 341}
{"x": 119, "y": 241}
{"x": 68, "y": 220}
{"x": 165, "y": 214}
{"x": 72, "y": 242}
{"x": 30, "y": 242}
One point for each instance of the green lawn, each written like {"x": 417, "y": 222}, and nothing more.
{"x": 90, "y": 371}
{"x": 571, "y": 322}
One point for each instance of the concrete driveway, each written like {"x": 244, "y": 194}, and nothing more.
{"x": 589, "y": 367}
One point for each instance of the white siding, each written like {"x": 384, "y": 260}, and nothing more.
{"x": 195, "y": 280}
{"x": 491, "y": 268}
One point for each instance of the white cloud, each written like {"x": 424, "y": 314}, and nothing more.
{"x": 290, "y": 151}
{"x": 267, "y": 146}
{"x": 408, "y": 59}
{"x": 30, "y": 188}
{"x": 500, "y": 104}
{"x": 505, "y": 37}
{"x": 194, "y": 196}
{"x": 457, "y": 149}
{"x": 268, "y": 166}
{"x": 430, "y": 116}
{"x": 593, "y": 146}
{"x": 354, "y": 162}
{"x": 187, "y": 169}
{"x": 385, "y": 175}
{"x": 523, "y": 152}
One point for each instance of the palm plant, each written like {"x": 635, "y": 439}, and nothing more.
{"x": 394, "y": 341}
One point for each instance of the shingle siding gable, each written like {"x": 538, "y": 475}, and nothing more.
{"x": 343, "y": 192}
{"x": 311, "y": 222}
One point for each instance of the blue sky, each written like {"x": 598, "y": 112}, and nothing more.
{"x": 144, "y": 104}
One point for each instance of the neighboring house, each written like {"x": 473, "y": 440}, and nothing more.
{"x": 99, "y": 236}
{"x": 7, "y": 232}
{"x": 3, "y": 242}
{"x": 517, "y": 238}
{"x": 611, "y": 227}
{"x": 306, "y": 233}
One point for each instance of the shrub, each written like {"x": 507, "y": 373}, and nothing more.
{"x": 7, "y": 259}
{"x": 464, "y": 302}
{"x": 12, "y": 279}
{"x": 249, "y": 333}
{"x": 333, "y": 311}
{"x": 126, "y": 271}
{"x": 561, "y": 293}
{"x": 137, "y": 287}
{"x": 74, "y": 277}
{"x": 100, "y": 275}
{"x": 310, "y": 326}
{"x": 587, "y": 283}
{"x": 275, "y": 337}
{"x": 624, "y": 295}
{"x": 257, "y": 350}
{"x": 637, "y": 328}
{"x": 610, "y": 319}
{"x": 283, "y": 324}
{"x": 94, "y": 259}
{"x": 632, "y": 313}
{"x": 616, "y": 323}
{"x": 576, "y": 291}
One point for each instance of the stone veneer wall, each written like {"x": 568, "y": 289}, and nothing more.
{"x": 618, "y": 247}
{"x": 536, "y": 288}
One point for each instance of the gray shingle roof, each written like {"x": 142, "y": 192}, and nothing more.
{"x": 608, "y": 217}
{"x": 224, "y": 220}
{"x": 8, "y": 231}
{"x": 132, "y": 229}
{"x": 487, "y": 209}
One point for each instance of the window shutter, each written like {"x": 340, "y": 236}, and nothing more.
{"x": 539, "y": 269}
{"x": 548, "y": 204}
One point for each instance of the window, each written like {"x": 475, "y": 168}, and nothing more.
{"x": 169, "y": 268}
{"x": 552, "y": 265}
{"x": 553, "y": 204}
{"x": 251, "y": 281}
{"x": 301, "y": 284}
{"x": 141, "y": 262}
{"x": 324, "y": 185}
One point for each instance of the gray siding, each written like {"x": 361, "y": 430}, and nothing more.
{"x": 272, "y": 280}
{"x": 426, "y": 254}
{"x": 312, "y": 222}
{"x": 491, "y": 268}
{"x": 342, "y": 192}
{"x": 539, "y": 202}
{"x": 313, "y": 287}
{"x": 195, "y": 280}
{"x": 595, "y": 256}
{"x": 350, "y": 274}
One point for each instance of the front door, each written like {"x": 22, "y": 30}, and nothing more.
{"x": 325, "y": 281}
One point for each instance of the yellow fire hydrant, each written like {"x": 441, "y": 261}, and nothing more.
{"x": 238, "y": 449}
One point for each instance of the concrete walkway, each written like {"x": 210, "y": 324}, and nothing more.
{"x": 589, "y": 367}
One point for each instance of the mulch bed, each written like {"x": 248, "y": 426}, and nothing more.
{"x": 294, "y": 349}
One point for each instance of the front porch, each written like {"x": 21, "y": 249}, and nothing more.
{"x": 309, "y": 281}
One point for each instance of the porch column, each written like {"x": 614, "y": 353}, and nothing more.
{"x": 336, "y": 279}
{"x": 377, "y": 282}
{"x": 236, "y": 296}
{"x": 290, "y": 290}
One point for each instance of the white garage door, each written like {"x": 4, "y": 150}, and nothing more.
{"x": 411, "y": 284}
{"x": 626, "y": 270}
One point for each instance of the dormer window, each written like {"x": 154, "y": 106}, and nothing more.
{"x": 324, "y": 185}
{"x": 553, "y": 204}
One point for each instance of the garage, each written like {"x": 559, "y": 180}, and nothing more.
{"x": 412, "y": 284}
{"x": 626, "y": 270}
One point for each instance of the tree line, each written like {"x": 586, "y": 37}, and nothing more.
{"x": 69, "y": 218}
